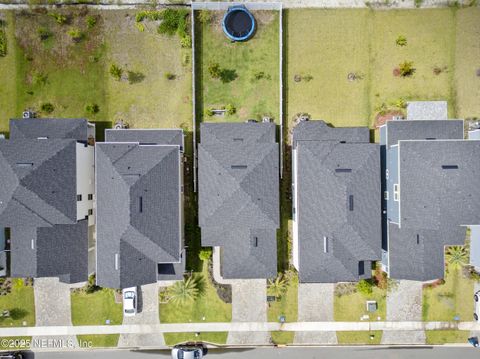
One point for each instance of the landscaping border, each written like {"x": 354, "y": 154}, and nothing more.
{"x": 224, "y": 6}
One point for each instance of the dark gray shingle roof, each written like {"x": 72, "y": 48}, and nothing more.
{"x": 239, "y": 196}
{"x": 138, "y": 211}
{"x": 34, "y": 128}
{"x": 320, "y": 131}
{"x": 38, "y": 182}
{"x": 58, "y": 251}
{"x": 338, "y": 205}
{"x": 144, "y": 136}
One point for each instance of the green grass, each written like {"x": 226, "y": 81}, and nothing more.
{"x": 454, "y": 298}
{"x": 8, "y": 76}
{"x": 95, "y": 308}
{"x": 447, "y": 336}
{"x": 208, "y": 305}
{"x": 252, "y": 98}
{"x": 98, "y": 341}
{"x": 20, "y": 302}
{"x": 22, "y": 343}
{"x": 351, "y": 307}
{"x": 359, "y": 337}
{"x": 212, "y": 337}
{"x": 287, "y": 306}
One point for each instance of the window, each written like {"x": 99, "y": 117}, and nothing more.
{"x": 396, "y": 192}
{"x": 90, "y": 212}
{"x": 361, "y": 268}
{"x": 385, "y": 195}
{"x": 90, "y": 197}
{"x": 386, "y": 174}
{"x": 79, "y": 197}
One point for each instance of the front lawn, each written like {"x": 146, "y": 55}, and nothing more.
{"x": 447, "y": 336}
{"x": 360, "y": 337}
{"x": 98, "y": 341}
{"x": 249, "y": 70}
{"x": 211, "y": 337}
{"x": 20, "y": 303}
{"x": 95, "y": 308}
{"x": 444, "y": 302}
{"x": 208, "y": 307}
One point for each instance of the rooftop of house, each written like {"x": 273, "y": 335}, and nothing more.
{"x": 337, "y": 207}
{"x": 239, "y": 196}
{"x": 138, "y": 212}
{"x": 321, "y": 131}
{"x": 58, "y": 251}
{"x": 33, "y": 128}
{"x": 146, "y": 136}
{"x": 38, "y": 182}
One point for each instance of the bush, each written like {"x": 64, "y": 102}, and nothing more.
{"x": 208, "y": 112}
{"x": 173, "y": 21}
{"x": 135, "y": 77}
{"x": 169, "y": 76}
{"x": 214, "y": 70}
{"x": 204, "y": 16}
{"x": 205, "y": 254}
{"x": 151, "y": 15}
{"x": 43, "y": 33}
{"x": 91, "y": 21}
{"x": 406, "y": 68}
{"x": 59, "y": 18}
{"x": 401, "y": 40}
{"x": 76, "y": 34}
{"x": 92, "y": 285}
{"x": 47, "y": 107}
{"x": 230, "y": 109}
{"x": 365, "y": 287}
{"x": 3, "y": 43}
{"x": 116, "y": 72}
{"x": 186, "y": 41}
{"x": 92, "y": 108}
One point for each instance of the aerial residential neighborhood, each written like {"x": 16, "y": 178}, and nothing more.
{"x": 239, "y": 179}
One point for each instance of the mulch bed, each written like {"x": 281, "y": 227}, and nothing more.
{"x": 381, "y": 119}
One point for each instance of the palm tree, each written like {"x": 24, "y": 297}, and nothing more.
{"x": 184, "y": 291}
{"x": 456, "y": 256}
{"x": 277, "y": 286}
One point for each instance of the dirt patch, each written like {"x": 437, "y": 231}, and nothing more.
{"x": 264, "y": 17}
{"x": 381, "y": 119}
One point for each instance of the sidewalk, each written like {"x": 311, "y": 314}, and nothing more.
{"x": 235, "y": 326}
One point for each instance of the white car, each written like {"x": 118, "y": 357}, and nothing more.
{"x": 129, "y": 296}
{"x": 188, "y": 352}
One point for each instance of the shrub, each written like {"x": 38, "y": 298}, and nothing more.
{"x": 365, "y": 287}
{"x": 116, "y": 72}
{"x": 204, "y": 16}
{"x": 406, "y": 68}
{"x": 92, "y": 108}
{"x": 208, "y": 112}
{"x": 43, "y": 33}
{"x": 76, "y": 34}
{"x": 47, "y": 107}
{"x": 401, "y": 40}
{"x": 227, "y": 75}
{"x": 151, "y": 15}
{"x": 214, "y": 70}
{"x": 92, "y": 285}
{"x": 186, "y": 41}
{"x": 173, "y": 21}
{"x": 418, "y": 3}
{"x": 456, "y": 256}
{"x": 135, "y": 77}
{"x": 91, "y": 21}
{"x": 277, "y": 286}
{"x": 169, "y": 76}
{"x": 59, "y": 18}
{"x": 186, "y": 291}
{"x": 230, "y": 109}
{"x": 307, "y": 78}
{"x": 205, "y": 254}
{"x": 3, "y": 43}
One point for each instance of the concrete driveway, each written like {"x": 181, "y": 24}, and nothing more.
{"x": 315, "y": 304}
{"x": 249, "y": 304}
{"x": 147, "y": 314}
{"x": 53, "y": 307}
{"x": 404, "y": 303}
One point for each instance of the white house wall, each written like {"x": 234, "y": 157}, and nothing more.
{"x": 85, "y": 180}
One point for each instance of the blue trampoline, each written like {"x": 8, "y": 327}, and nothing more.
{"x": 238, "y": 23}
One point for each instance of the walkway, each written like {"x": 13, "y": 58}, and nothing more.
{"x": 52, "y": 309}
{"x": 405, "y": 303}
{"x": 315, "y": 302}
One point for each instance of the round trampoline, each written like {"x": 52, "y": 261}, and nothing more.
{"x": 238, "y": 23}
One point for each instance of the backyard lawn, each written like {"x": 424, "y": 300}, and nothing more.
{"x": 20, "y": 303}
{"x": 249, "y": 70}
{"x": 287, "y": 306}
{"x": 325, "y": 46}
{"x": 446, "y": 301}
{"x": 359, "y": 337}
{"x": 98, "y": 341}
{"x": 208, "y": 307}
{"x": 95, "y": 308}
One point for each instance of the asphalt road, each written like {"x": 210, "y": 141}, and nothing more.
{"x": 284, "y": 353}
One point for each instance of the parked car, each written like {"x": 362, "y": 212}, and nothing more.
{"x": 129, "y": 296}
{"x": 11, "y": 355}
{"x": 188, "y": 352}
{"x": 476, "y": 313}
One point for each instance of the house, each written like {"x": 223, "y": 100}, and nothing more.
{"x": 139, "y": 186}
{"x": 238, "y": 178}
{"x": 430, "y": 192}
{"x": 46, "y": 199}
{"x": 336, "y": 203}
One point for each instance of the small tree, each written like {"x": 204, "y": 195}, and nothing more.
{"x": 184, "y": 291}
{"x": 116, "y": 72}
{"x": 47, "y": 107}
{"x": 91, "y": 21}
{"x": 205, "y": 254}
{"x": 214, "y": 70}
{"x": 92, "y": 108}
{"x": 277, "y": 286}
{"x": 135, "y": 77}
{"x": 230, "y": 109}
{"x": 406, "y": 68}
{"x": 365, "y": 287}
{"x": 401, "y": 40}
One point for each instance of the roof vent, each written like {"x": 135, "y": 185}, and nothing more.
{"x": 239, "y": 167}
{"x": 24, "y": 164}
{"x": 350, "y": 202}
{"x": 449, "y": 167}
{"x": 238, "y": 140}
{"x": 117, "y": 262}
{"x": 343, "y": 170}
{"x": 140, "y": 204}
{"x": 255, "y": 241}
{"x": 325, "y": 244}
